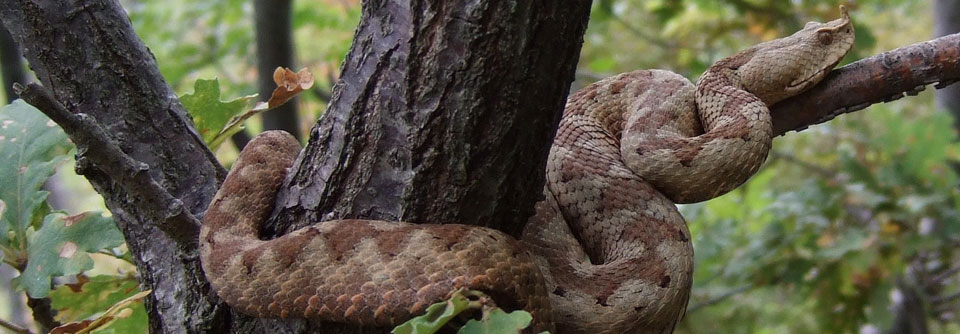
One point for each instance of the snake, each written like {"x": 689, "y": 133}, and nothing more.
{"x": 606, "y": 251}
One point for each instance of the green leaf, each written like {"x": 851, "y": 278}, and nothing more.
{"x": 92, "y": 296}
{"x": 210, "y": 115}
{"x": 109, "y": 320}
{"x": 437, "y": 315}
{"x": 62, "y": 247}
{"x": 31, "y": 147}
{"x": 498, "y": 322}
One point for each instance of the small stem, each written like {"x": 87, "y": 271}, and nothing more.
{"x": 14, "y": 328}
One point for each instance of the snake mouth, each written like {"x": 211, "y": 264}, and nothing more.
{"x": 808, "y": 79}
{"x": 815, "y": 77}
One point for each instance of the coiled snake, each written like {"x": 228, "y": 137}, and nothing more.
{"x": 606, "y": 252}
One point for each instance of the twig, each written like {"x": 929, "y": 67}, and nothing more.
{"x": 945, "y": 299}
{"x": 720, "y": 298}
{"x": 14, "y": 328}
{"x": 940, "y": 277}
{"x": 178, "y": 222}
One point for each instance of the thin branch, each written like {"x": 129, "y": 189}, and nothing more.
{"x": 881, "y": 78}
{"x": 14, "y": 328}
{"x": 940, "y": 277}
{"x": 946, "y": 299}
{"x": 719, "y": 298}
{"x": 131, "y": 174}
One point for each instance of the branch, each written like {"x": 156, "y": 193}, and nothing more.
{"x": 14, "y": 327}
{"x": 719, "y": 298}
{"x": 130, "y": 174}
{"x": 881, "y": 78}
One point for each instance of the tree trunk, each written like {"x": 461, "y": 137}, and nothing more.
{"x": 443, "y": 114}
{"x": 274, "y": 48}
{"x": 88, "y": 55}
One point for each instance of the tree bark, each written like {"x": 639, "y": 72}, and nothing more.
{"x": 88, "y": 55}
{"x": 444, "y": 113}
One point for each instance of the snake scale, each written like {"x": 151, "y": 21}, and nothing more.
{"x": 606, "y": 251}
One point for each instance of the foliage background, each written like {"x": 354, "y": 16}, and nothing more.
{"x": 840, "y": 220}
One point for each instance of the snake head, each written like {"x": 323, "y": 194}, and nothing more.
{"x": 787, "y": 66}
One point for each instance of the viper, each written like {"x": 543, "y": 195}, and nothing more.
{"x": 607, "y": 251}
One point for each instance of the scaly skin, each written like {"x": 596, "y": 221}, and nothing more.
{"x": 606, "y": 252}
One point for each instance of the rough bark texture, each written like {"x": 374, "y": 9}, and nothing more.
{"x": 87, "y": 53}
{"x": 444, "y": 113}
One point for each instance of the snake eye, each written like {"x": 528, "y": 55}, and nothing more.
{"x": 825, "y": 37}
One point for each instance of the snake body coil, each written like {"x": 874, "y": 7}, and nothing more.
{"x": 606, "y": 252}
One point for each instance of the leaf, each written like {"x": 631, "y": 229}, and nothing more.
{"x": 210, "y": 115}
{"x": 31, "y": 147}
{"x": 120, "y": 310}
{"x": 498, "y": 322}
{"x": 289, "y": 84}
{"x": 62, "y": 247}
{"x": 91, "y": 295}
{"x": 437, "y": 315}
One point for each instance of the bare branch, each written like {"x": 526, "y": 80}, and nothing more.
{"x": 14, "y": 327}
{"x": 85, "y": 132}
{"x": 940, "y": 277}
{"x": 881, "y": 78}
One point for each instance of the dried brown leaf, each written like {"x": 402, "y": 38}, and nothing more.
{"x": 289, "y": 84}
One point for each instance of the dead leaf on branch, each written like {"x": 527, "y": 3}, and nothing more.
{"x": 289, "y": 85}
